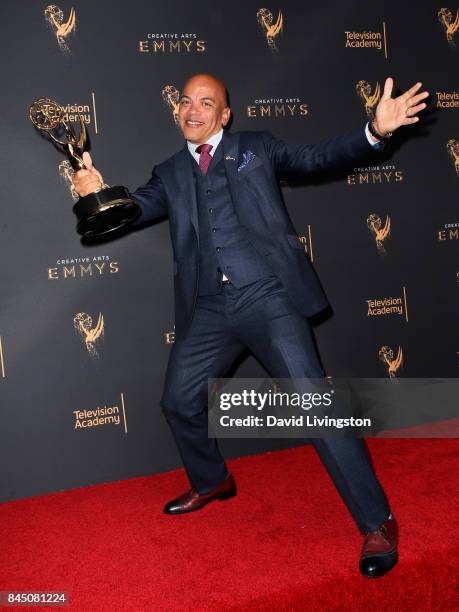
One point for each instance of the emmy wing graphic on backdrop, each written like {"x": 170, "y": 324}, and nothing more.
{"x": 379, "y": 231}
{"x": 386, "y": 355}
{"x": 62, "y": 29}
{"x": 452, "y": 146}
{"x": 107, "y": 209}
{"x": 451, "y": 26}
{"x": 271, "y": 30}
{"x": 370, "y": 100}
{"x": 90, "y": 335}
{"x": 171, "y": 97}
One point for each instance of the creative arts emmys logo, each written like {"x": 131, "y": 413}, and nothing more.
{"x": 277, "y": 107}
{"x": 452, "y": 146}
{"x": 171, "y": 98}
{"x": 393, "y": 364}
{"x": 369, "y": 99}
{"x": 172, "y": 42}
{"x": 83, "y": 267}
{"x": 375, "y": 175}
{"x": 62, "y": 29}
{"x": 271, "y": 28}
{"x": 89, "y": 334}
{"x": 450, "y": 231}
{"x": 445, "y": 17}
{"x": 379, "y": 231}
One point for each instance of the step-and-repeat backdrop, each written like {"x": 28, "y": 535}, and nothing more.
{"x": 85, "y": 331}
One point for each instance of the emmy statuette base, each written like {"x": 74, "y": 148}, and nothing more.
{"x": 104, "y": 212}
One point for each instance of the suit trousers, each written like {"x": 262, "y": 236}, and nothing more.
{"x": 262, "y": 318}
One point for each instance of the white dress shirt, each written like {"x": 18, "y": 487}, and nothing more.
{"x": 213, "y": 140}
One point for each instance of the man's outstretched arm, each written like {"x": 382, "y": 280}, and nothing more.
{"x": 297, "y": 161}
{"x": 152, "y": 200}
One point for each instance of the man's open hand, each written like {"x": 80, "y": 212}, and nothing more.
{"x": 391, "y": 113}
{"x": 89, "y": 180}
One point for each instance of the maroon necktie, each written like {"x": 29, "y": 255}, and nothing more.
{"x": 204, "y": 156}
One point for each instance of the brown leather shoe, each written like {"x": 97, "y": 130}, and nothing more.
{"x": 379, "y": 552}
{"x": 191, "y": 501}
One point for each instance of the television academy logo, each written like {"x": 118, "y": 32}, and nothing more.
{"x": 271, "y": 28}
{"x": 392, "y": 364}
{"x": 100, "y": 416}
{"x": 306, "y": 241}
{"x": 369, "y": 99}
{"x": 452, "y": 146}
{"x": 90, "y": 335}
{"x": 62, "y": 29}
{"x": 388, "y": 306}
{"x": 447, "y": 99}
{"x": 379, "y": 231}
{"x": 367, "y": 39}
{"x": 277, "y": 107}
{"x": 171, "y": 98}
{"x": 445, "y": 17}
{"x": 74, "y": 112}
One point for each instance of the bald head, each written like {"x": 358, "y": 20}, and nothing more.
{"x": 203, "y": 109}
{"x": 203, "y": 78}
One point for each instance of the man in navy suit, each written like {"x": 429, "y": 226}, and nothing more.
{"x": 242, "y": 280}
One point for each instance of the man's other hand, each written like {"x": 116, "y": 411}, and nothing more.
{"x": 391, "y": 113}
{"x": 89, "y": 180}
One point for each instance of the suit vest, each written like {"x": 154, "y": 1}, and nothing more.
{"x": 223, "y": 246}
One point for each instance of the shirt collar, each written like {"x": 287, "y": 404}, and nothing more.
{"x": 213, "y": 140}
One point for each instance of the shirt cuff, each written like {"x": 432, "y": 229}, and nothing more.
{"x": 376, "y": 145}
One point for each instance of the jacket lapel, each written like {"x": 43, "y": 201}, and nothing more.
{"x": 230, "y": 144}
{"x": 185, "y": 182}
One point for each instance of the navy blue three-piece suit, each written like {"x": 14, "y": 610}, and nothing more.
{"x": 233, "y": 220}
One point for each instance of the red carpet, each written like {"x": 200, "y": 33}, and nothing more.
{"x": 112, "y": 549}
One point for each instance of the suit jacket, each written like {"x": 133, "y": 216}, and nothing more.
{"x": 259, "y": 206}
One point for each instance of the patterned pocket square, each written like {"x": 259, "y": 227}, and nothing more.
{"x": 247, "y": 157}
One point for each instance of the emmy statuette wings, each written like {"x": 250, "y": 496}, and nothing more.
{"x": 108, "y": 209}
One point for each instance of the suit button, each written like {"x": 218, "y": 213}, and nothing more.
{"x": 211, "y": 210}
{"x": 218, "y": 249}
{"x": 208, "y": 191}
{"x": 214, "y": 229}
